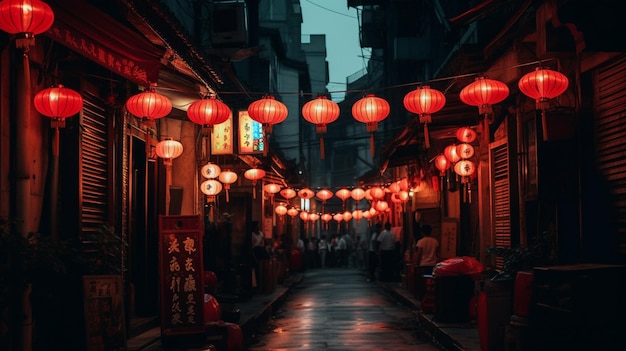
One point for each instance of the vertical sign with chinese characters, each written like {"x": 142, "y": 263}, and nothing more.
{"x": 222, "y": 139}
{"x": 250, "y": 135}
{"x": 182, "y": 293}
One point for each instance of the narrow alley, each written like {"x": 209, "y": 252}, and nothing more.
{"x": 338, "y": 309}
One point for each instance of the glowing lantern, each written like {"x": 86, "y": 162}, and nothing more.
{"x": 424, "y": 101}
{"x": 370, "y": 110}
{"x": 320, "y": 112}
{"x": 483, "y": 93}
{"x": 58, "y": 103}
{"x": 394, "y": 187}
{"x": 208, "y": 112}
{"x": 347, "y": 216}
{"x": 313, "y": 217}
{"x": 465, "y": 150}
{"x": 465, "y": 168}
{"x": 450, "y": 153}
{"x": 227, "y": 178}
{"x": 306, "y": 193}
{"x": 168, "y": 149}
{"x": 357, "y": 194}
{"x": 292, "y": 212}
{"x": 403, "y": 195}
{"x": 442, "y": 164}
{"x": 25, "y": 19}
{"x": 367, "y": 214}
{"x": 324, "y": 195}
{"x": 254, "y": 174}
{"x": 288, "y": 193}
{"x": 343, "y": 194}
{"x": 211, "y": 187}
{"x": 338, "y": 217}
{"x": 382, "y": 206}
{"x": 357, "y": 214}
{"x": 542, "y": 85}
{"x": 280, "y": 210}
{"x": 304, "y": 215}
{"x": 466, "y": 134}
{"x": 377, "y": 192}
{"x": 326, "y": 217}
{"x": 210, "y": 170}
{"x": 149, "y": 105}
{"x": 271, "y": 189}
{"x": 267, "y": 111}
{"x": 368, "y": 194}
{"x": 404, "y": 184}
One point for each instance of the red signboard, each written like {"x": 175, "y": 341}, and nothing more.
{"x": 182, "y": 293}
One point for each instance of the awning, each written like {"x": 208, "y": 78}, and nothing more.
{"x": 101, "y": 38}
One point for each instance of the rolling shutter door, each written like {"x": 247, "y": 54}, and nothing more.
{"x": 501, "y": 195}
{"x": 610, "y": 135}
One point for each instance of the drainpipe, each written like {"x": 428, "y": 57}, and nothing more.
{"x": 23, "y": 171}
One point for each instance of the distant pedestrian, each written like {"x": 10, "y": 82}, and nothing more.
{"x": 372, "y": 252}
{"x": 323, "y": 248}
{"x": 387, "y": 250}
{"x": 360, "y": 248}
{"x": 426, "y": 258}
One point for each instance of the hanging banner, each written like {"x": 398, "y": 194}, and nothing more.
{"x": 222, "y": 138}
{"x": 182, "y": 293}
{"x": 250, "y": 135}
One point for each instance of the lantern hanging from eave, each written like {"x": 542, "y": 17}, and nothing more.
{"x": 343, "y": 194}
{"x": 208, "y": 112}
{"x": 357, "y": 194}
{"x": 442, "y": 164}
{"x": 465, "y": 150}
{"x": 211, "y": 188}
{"x": 168, "y": 149}
{"x": 484, "y": 93}
{"x": 313, "y": 217}
{"x": 371, "y": 110}
{"x": 326, "y": 217}
{"x": 465, "y": 168}
{"x": 466, "y": 134}
{"x": 210, "y": 170}
{"x": 58, "y": 103}
{"x": 267, "y": 111}
{"x": 377, "y": 193}
{"x": 149, "y": 105}
{"x": 542, "y": 85}
{"x": 423, "y": 102}
{"x": 304, "y": 215}
{"x": 306, "y": 193}
{"x": 288, "y": 193}
{"x": 292, "y": 212}
{"x": 25, "y": 19}
{"x": 450, "y": 153}
{"x": 272, "y": 189}
{"x": 280, "y": 210}
{"x": 254, "y": 174}
{"x": 227, "y": 177}
{"x": 321, "y": 111}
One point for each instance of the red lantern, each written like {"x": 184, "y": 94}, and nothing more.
{"x": 254, "y": 174}
{"x": 267, "y": 111}
{"x": 466, "y": 134}
{"x": 208, "y": 112}
{"x": 377, "y": 192}
{"x": 450, "y": 153}
{"x": 58, "y": 103}
{"x": 424, "y": 101}
{"x": 370, "y": 110}
{"x": 227, "y": 177}
{"x": 483, "y": 93}
{"x": 292, "y": 212}
{"x": 149, "y": 105}
{"x": 543, "y": 85}
{"x": 288, "y": 193}
{"x": 306, "y": 193}
{"x": 465, "y": 150}
{"x": 442, "y": 164}
{"x": 320, "y": 112}
{"x": 168, "y": 149}
{"x": 280, "y": 210}
{"x": 324, "y": 195}
{"x": 25, "y": 19}
{"x": 343, "y": 194}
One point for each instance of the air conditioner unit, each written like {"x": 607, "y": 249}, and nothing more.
{"x": 228, "y": 24}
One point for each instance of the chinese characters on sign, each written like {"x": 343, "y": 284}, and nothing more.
{"x": 181, "y": 284}
{"x": 250, "y": 135}
{"x": 222, "y": 139}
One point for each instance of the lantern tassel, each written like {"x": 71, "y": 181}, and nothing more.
{"x": 372, "y": 151}
{"x": 322, "y": 147}
{"x": 426, "y": 137}
{"x": 266, "y": 138}
{"x": 55, "y": 143}
{"x": 486, "y": 136}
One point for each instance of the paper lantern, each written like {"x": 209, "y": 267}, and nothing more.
{"x": 288, "y": 193}
{"x": 304, "y": 215}
{"x": 210, "y": 170}
{"x": 442, "y": 164}
{"x": 227, "y": 178}
{"x": 424, "y": 101}
{"x": 464, "y": 168}
{"x": 25, "y": 19}
{"x": 313, "y": 217}
{"x": 306, "y": 193}
{"x": 338, "y": 217}
{"x": 149, "y": 105}
{"x": 347, "y": 216}
{"x": 465, "y": 150}
{"x": 254, "y": 174}
{"x": 280, "y": 210}
{"x": 321, "y": 111}
{"x": 267, "y": 111}
{"x": 542, "y": 85}
{"x": 211, "y": 187}
{"x": 484, "y": 93}
{"x": 208, "y": 112}
{"x": 271, "y": 188}
{"x": 357, "y": 214}
{"x": 292, "y": 212}
{"x": 377, "y": 192}
{"x": 371, "y": 110}
{"x": 381, "y": 206}
{"x": 343, "y": 194}
{"x": 324, "y": 195}
{"x": 450, "y": 153}
{"x": 466, "y": 134}
{"x": 58, "y": 103}
{"x": 168, "y": 149}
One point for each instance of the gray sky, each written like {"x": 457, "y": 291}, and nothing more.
{"x": 340, "y": 24}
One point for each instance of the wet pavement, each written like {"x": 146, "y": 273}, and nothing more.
{"x": 337, "y": 309}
